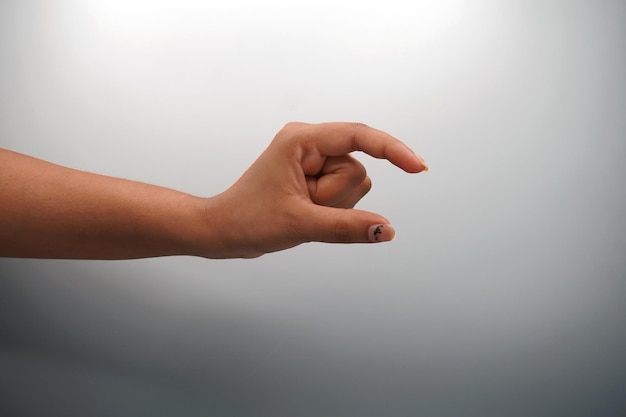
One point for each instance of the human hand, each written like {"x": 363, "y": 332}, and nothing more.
{"x": 303, "y": 188}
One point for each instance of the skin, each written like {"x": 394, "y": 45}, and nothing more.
{"x": 302, "y": 188}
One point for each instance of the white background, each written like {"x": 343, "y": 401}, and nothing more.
{"x": 502, "y": 295}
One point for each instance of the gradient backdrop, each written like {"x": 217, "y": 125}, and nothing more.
{"x": 504, "y": 293}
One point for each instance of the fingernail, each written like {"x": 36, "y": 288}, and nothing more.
{"x": 381, "y": 233}
{"x": 426, "y": 168}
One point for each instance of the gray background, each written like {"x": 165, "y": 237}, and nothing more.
{"x": 503, "y": 294}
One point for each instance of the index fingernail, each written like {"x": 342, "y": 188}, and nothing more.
{"x": 426, "y": 168}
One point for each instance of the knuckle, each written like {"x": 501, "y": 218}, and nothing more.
{"x": 355, "y": 173}
{"x": 366, "y": 185}
{"x": 341, "y": 231}
{"x": 360, "y": 172}
{"x": 355, "y": 127}
{"x": 292, "y": 125}
{"x": 291, "y": 131}
{"x": 358, "y": 125}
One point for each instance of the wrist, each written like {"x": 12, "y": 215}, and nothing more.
{"x": 214, "y": 231}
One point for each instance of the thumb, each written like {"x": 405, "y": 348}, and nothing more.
{"x": 337, "y": 225}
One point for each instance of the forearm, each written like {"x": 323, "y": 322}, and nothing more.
{"x": 302, "y": 188}
{"x": 51, "y": 211}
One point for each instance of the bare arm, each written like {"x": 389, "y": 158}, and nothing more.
{"x": 302, "y": 188}
{"x": 51, "y": 211}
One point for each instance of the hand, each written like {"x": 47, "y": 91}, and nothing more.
{"x": 303, "y": 188}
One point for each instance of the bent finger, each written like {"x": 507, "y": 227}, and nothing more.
{"x": 338, "y": 138}
{"x": 357, "y": 194}
{"x": 337, "y": 180}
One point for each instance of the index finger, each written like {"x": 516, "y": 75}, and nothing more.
{"x": 335, "y": 139}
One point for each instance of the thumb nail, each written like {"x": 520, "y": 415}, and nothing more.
{"x": 381, "y": 233}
